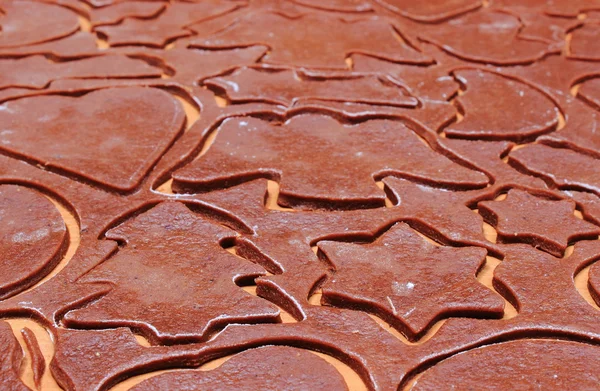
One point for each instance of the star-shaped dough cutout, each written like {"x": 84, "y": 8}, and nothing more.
{"x": 545, "y": 224}
{"x": 407, "y": 281}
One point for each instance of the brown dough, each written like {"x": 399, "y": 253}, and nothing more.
{"x": 286, "y": 87}
{"x": 74, "y": 46}
{"x": 499, "y": 108}
{"x": 589, "y": 92}
{"x": 168, "y": 26}
{"x": 264, "y": 368}
{"x": 563, "y": 168}
{"x": 584, "y": 42}
{"x": 441, "y": 215}
{"x": 10, "y": 360}
{"x": 337, "y": 5}
{"x": 34, "y": 238}
{"x": 38, "y": 362}
{"x": 588, "y": 203}
{"x": 189, "y": 66}
{"x": 431, "y": 12}
{"x": 488, "y": 36}
{"x": 330, "y": 38}
{"x": 545, "y": 224}
{"x": 116, "y": 13}
{"x": 27, "y": 23}
{"x": 87, "y": 147}
{"x": 169, "y": 247}
{"x": 37, "y": 72}
{"x": 246, "y": 148}
{"x": 487, "y": 158}
{"x": 522, "y": 364}
{"x": 407, "y": 281}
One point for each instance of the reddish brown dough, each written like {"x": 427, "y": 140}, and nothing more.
{"x": 116, "y": 13}
{"x": 286, "y": 86}
{"x": 407, "y": 281}
{"x": 426, "y": 120}
{"x": 169, "y": 247}
{"x": 34, "y": 238}
{"x": 487, "y": 157}
{"x": 38, "y": 72}
{"x": 38, "y": 362}
{"x": 594, "y": 282}
{"x": 166, "y": 27}
{"x": 500, "y": 108}
{"x": 264, "y": 368}
{"x": 74, "y": 46}
{"x": 522, "y": 364}
{"x": 565, "y": 169}
{"x": 281, "y": 240}
{"x": 584, "y": 43}
{"x": 332, "y": 39}
{"x": 431, "y": 12}
{"x": 189, "y": 66}
{"x": 10, "y": 360}
{"x": 589, "y": 92}
{"x": 498, "y": 43}
{"x": 441, "y": 215}
{"x": 545, "y": 224}
{"x": 337, "y": 5}
{"x": 27, "y": 23}
{"x": 432, "y": 82}
{"x": 112, "y": 137}
{"x": 353, "y": 155}
{"x": 541, "y": 288}
{"x": 97, "y": 359}
{"x": 588, "y": 203}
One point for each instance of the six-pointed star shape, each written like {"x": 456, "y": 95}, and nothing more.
{"x": 407, "y": 281}
{"x": 546, "y": 224}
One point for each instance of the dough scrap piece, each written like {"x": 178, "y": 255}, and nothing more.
{"x": 297, "y": 151}
{"x": 10, "y": 360}
{"x": 111, "y": 137}
{"x": 172, "y": 281}
{"x": 34, "y": 238}
{"x": 517, "y": 364}
{"x": 407, "y": 281}
{"x": 265, "y": 368}
{"x": 38, "y": 362}
{"x": 331, "y": 39}
{"x": 545, "y": 224}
